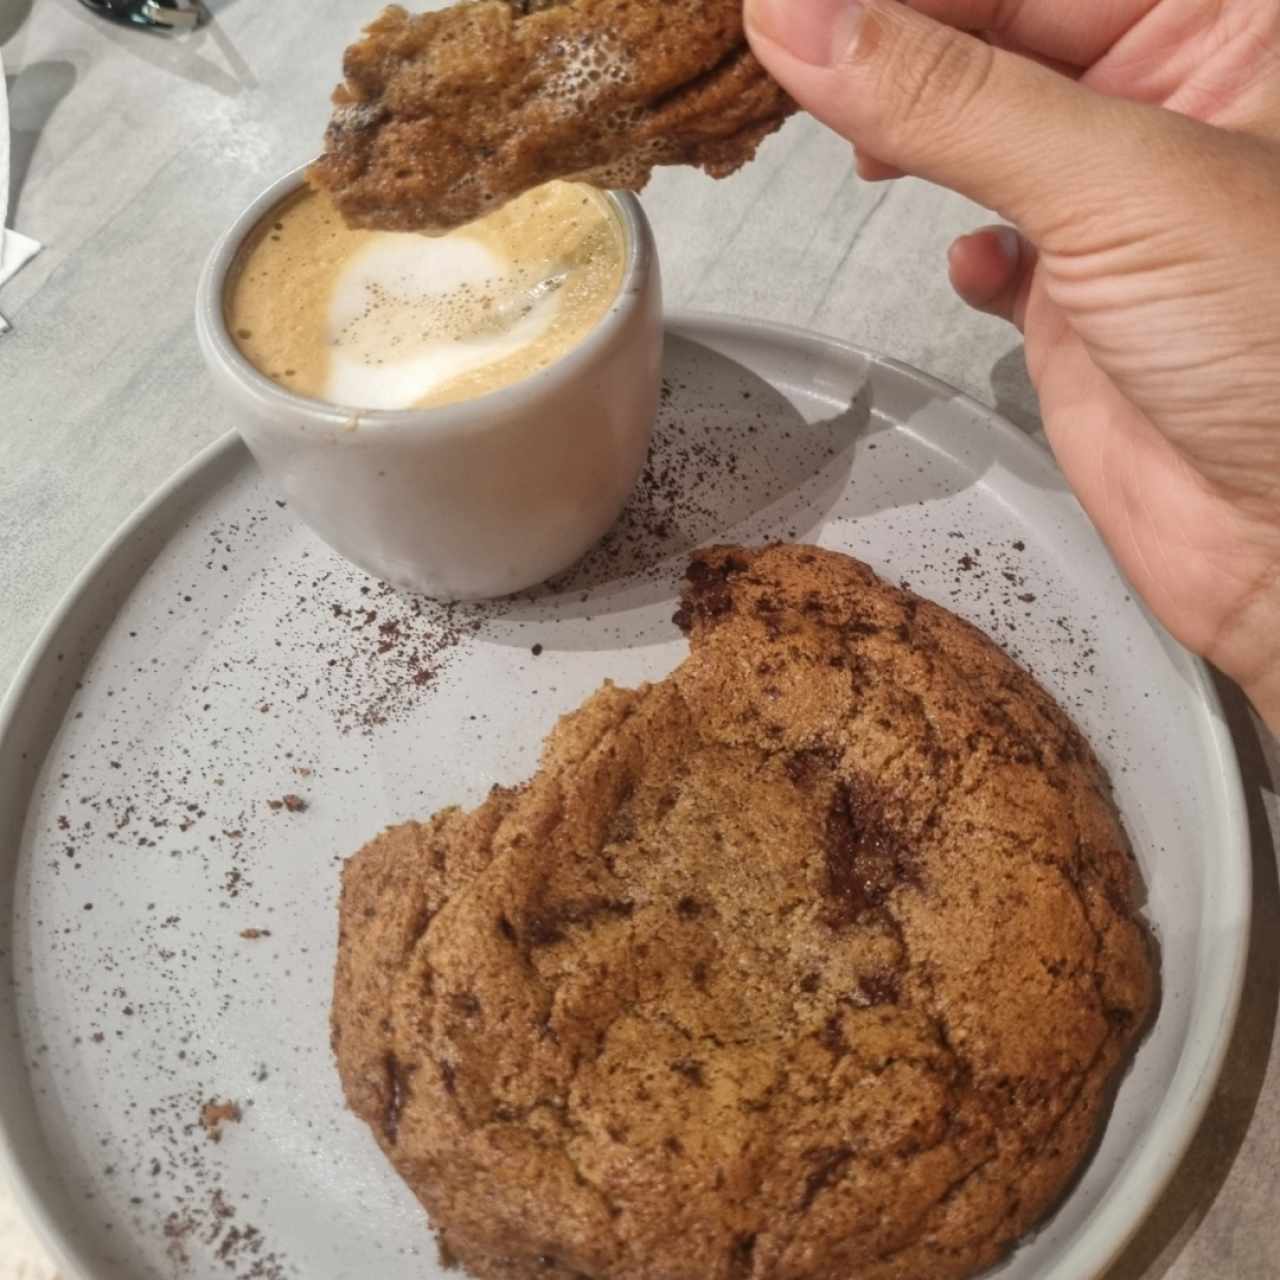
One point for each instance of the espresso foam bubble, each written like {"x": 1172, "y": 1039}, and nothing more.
{"x": 391, "y": 320}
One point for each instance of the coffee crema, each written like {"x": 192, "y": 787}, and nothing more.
{"x": 396, "y": 320}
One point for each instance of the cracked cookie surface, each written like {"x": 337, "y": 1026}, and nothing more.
{"x": 443, "y": 116}
{"x": 813, "y": 961}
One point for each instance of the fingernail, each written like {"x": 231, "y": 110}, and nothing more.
{"x": 819, "y": 32}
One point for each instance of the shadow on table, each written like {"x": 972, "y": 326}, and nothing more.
{"x": 185, "y": 56}
{"x": 34, "y": 93}
{"x": 1217, "y": 1142}
{"x": 12, "y": 16}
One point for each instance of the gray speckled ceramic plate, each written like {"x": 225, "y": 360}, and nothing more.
{"x": 167, "y": 923}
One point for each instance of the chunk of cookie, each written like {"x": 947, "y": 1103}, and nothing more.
{"x": 444, "y": 116}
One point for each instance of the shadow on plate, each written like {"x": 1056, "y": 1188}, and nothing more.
{"x": 740, "y": 456}
{"x": 1212, "y": 1154}
{"x": 732, "y": 459}
{"x": 1013, "y": 393}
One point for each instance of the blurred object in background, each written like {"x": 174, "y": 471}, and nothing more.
{"x": 162, "y": 15}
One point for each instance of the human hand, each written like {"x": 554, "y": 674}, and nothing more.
{"x": 1136, "y": 147}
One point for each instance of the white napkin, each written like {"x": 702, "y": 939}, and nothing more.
{"x": 15, "y": 249}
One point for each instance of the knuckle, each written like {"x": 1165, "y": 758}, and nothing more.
{"x": 942, "y": 78}
{"x": 929, "y": 78}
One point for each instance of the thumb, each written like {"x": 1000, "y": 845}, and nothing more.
{"x": 940, "y": 103}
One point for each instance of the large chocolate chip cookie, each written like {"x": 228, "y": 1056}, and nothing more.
{"x": 815, "y": 959}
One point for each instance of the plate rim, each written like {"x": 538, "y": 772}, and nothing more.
{"x": 1138, "y": 1186}
{"x": 41, "y": 1218}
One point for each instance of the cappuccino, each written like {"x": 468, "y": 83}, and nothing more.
{"x": 396, "y": 320}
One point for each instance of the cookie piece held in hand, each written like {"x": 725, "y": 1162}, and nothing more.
{"x": 817, "y": 958}
{"x": 446, "y": 115}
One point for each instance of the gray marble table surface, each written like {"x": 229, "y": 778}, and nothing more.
{"x": 131, "y": 152}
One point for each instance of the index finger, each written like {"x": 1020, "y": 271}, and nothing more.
{"x": 1077, "y": 34}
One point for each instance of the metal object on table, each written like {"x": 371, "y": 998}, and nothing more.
{"x": 160, "y": 15}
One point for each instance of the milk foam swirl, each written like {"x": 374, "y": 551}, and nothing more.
{"x": 392, "y": 320}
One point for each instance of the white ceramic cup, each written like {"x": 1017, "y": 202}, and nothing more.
{"x": 468, "y": 500}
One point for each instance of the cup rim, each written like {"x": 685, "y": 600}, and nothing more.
{"x": 462, "y": 415}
